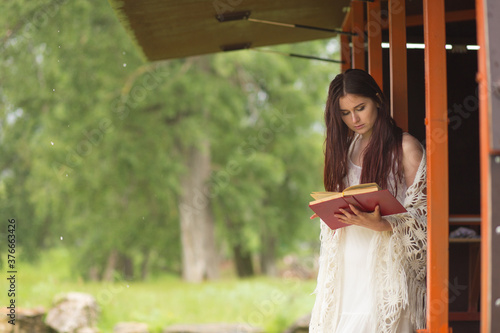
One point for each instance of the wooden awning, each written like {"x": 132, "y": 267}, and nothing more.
{"x": 175, "y": 29}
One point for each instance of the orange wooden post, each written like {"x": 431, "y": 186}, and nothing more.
{"x": 397, "y": 54}
{"x": 374, "y": 29}
{"x": 437, "y": 163}
{"x": 358, "y": 41}
{"x": 345, "y": 50}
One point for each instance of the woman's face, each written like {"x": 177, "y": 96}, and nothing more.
{"x": 359, "y": 113}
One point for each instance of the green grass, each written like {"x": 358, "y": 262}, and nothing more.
{"x": 272, "y": 304}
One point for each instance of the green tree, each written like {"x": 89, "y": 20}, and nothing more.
{"x": 113, "y": 156}
{"x": 275, "y": 158}
{"x": 74, "y": 169}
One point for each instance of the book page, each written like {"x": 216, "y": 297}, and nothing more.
{"x": 362, "y": 188}
{"x": 352, "y": 190}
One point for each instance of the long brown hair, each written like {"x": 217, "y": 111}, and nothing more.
{"x": 383, "y": 154}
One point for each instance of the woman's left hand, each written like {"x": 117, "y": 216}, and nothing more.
{"x": 373, "y": 220}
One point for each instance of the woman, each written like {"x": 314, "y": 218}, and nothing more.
{"x": 372, "y": 273}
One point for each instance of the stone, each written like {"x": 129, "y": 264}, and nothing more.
{"x": 131, "y": 328}
{"x": 73, "y": 313}
{"x": 213, "y": 328}
{"x": 27, "y": 321}
{"x": 87, "y": 330}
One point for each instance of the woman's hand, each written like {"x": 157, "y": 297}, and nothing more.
{"x": 373, "y": 220}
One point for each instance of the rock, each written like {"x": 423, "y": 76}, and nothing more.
{"x": 31, "y": 321}
{"x": 27, "y": 321}
{"x": 301, "y": 325}
{"x": 5, "y": 327}
{"x": 212, "y": 328}
{"x": 131, "y": 328}
{"x": 87, "y": 330}
{"x": 73, "y": 313}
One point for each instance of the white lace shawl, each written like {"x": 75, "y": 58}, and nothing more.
{"x": 399, "y": 266}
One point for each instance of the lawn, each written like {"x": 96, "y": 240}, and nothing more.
{"x": 270, "y": 303}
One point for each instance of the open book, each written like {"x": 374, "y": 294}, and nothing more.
{"x": 364, "y": 196}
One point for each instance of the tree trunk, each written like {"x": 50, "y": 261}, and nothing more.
{"x": 94, "y": 273}
{"x": 241, "y": 258}
{"x": 243, "y": 261}
{"x": 268, "y": 256}
{"x": 127, "y": 267}
{"x": 110, "y": 266}
{"x": 145, "y": 264}
{"x": 199, "y": 255}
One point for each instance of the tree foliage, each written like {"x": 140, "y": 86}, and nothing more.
{"x": 94, "y": 140}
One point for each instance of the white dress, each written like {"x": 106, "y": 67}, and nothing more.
{"x": 357, "y": 309}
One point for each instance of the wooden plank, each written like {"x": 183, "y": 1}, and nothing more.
{"x": 484, "y": 167}
{"x": 492, "y": 49}
{"x": 398, "y": 67}
{"x": 465, "y": 240}
{"x": 374, "y": 29}
{"x": 465, "y": 219}
{"x": 490, "y": 321}
{"x": 358, "y": 41}
{"x": 454, "y": 16}
{"x": 167, "y": 29}
{"x": 345, "y": 49}
{"x": 345, "y": 53}
{"x": 437, "y": 166}
{"x": 493, "y": 269}
{"x": 464, "y": 316}
{"x": 474, "y": 277}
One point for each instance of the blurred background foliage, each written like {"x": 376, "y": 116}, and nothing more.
{"x": 93, "y": 143}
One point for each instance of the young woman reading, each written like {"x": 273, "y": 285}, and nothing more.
{"x": 372, "y": 275}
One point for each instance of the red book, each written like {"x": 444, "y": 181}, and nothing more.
{"x": 364, "y": 196}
